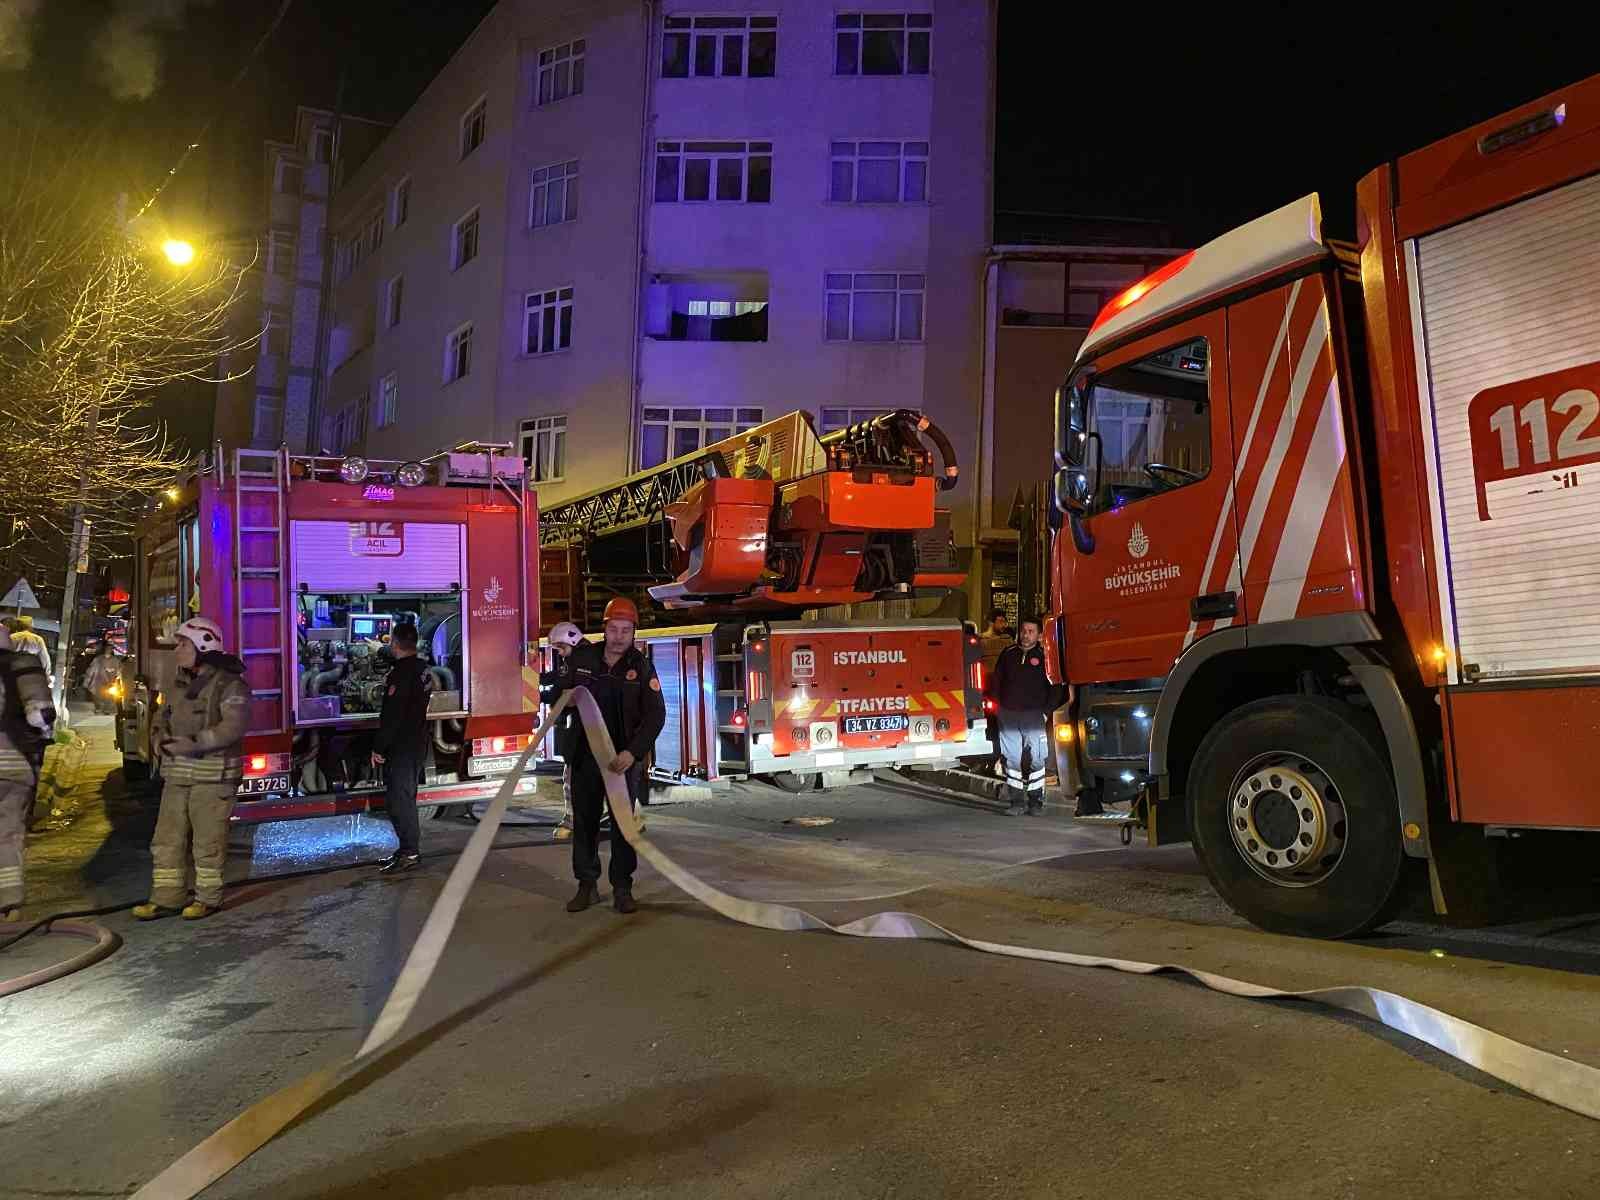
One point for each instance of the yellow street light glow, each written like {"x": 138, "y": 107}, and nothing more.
{"x": 179, "y": 254}
{"x": 172, "y": 494}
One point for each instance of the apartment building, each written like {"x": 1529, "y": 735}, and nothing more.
{"x": 614, "y": 231}
{"x": 264, "y": 398}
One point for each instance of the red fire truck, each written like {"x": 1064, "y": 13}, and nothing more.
{"x": 308, "y": 563}
{"x": 1324, "y": 577}
{"x": 752, "y": 537}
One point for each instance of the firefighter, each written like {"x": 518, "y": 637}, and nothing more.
{"x": 26, "y": 715}
{"x": 25, "y": 641}
{"x": 401, "y": 747}
{"x": 200, "y": 731}
{"x": 1024, "y": 695}
{"x": 625, "y": 688}
{"x": 564, "y": 638}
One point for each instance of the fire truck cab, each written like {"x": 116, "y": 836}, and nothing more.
{"x": 1325, "y": 570}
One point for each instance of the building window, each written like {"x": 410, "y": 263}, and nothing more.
{"x": 473, "y": 125}
{"x": 839, "y": 418}
{"x": 667, "y": 433}
{"x": 289, "y": 177}
{"x": 464, "y": 241}
{"x": 874, "y": 307}
{"x": 347, "y": 428}
{"x": 280, "y": 254}
{"x": 544, "y": 448}
{"x": 560, "y": 72}
{"x": 375, "y": 232}
{"x": 275, "y": 335}
{"x": 547, "y": 321}
{"x": 882, "y": 43}
{"x": 388, "y": 400}
{"x": 394, "y": 301}
{"x": 266, "y": 420}
{"x": 554, "y": 197}
{"x": 400, "y": 203}
{"x": 722, "y": 171}
{"x": 704, "y": 46}
{"x": 879, "y": 172}
{"x": 322, "y": 145}
{"x": 458, "y": 353}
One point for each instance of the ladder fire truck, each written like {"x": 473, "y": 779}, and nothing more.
{"x": 308, "y": 563}
{"x": 1325, "y": 571}
{"x": 744, "y": 538}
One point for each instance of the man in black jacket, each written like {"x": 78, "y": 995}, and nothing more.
{"x": 401, "y": 745}
{"x": 1024, "y": 695}
{"x": 625, "y": 687}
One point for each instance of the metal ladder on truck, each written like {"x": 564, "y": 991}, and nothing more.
{"x": 259, "y": 480}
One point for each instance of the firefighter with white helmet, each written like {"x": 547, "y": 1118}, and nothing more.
{"x": 564, "y": 638}
{"x": 200, "y": 732}
{"x": 26, "y": 716}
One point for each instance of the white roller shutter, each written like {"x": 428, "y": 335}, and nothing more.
{"x": 1503, "y": 298}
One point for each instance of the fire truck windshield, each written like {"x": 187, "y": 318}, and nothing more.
{"x": 1140, "y": 428}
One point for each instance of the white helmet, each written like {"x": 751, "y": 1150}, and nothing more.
{"x": 206, "y": 634}
{"x": 565, "y": 634}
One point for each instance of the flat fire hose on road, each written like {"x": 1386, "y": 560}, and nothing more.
{"x": 1571, "y": 1085}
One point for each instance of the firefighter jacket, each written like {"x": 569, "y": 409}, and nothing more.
{"x": 207, "y": 711}
{"x": 551, "y": 684}
{"x": 403, "y": 723}
{"x": 26, "y": 714}
{"x": 25, "y": 641}
{"x": 628, "y": 695}
{"x": 1019, "y": 683}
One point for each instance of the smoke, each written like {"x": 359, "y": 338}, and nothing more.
{"x": 128, "y": 49}
{"x": 16, "y": 33}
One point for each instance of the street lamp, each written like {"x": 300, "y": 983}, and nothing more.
{"x": 179, "y": 253}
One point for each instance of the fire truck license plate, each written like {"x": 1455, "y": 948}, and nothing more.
{"x": 262, "y": 784}
{"x": 497, "y": 765}
{"x": 889, "y": 724}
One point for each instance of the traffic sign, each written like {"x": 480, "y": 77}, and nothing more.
{"x": 19, "y": 597}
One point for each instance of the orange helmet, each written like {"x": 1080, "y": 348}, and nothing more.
{"x": 622, "y": 609}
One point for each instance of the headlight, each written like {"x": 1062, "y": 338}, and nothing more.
{"x": 353, "y": 469}
{"x": 411, "y": 474}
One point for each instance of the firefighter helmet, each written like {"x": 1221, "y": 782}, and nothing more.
{"x": 622, "y": 609}
{"x": 206, "y": 634}
{"x": 565, "y": 633}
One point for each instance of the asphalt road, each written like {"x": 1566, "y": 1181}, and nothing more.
{"x": 672, "y": 1053}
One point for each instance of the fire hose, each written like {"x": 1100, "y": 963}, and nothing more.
{"x": 1560, "y": 1081}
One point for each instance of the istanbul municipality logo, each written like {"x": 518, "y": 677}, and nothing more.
{"x": 1138, "y": 544}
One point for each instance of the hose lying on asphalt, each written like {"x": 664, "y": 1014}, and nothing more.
{"x": 105, "y": 943}
{"x": 1571, "y": 1085}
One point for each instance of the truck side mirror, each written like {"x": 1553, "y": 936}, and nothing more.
{"x": 1071, "y": 497}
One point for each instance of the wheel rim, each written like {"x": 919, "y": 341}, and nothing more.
{"x": 1287, "y": 819}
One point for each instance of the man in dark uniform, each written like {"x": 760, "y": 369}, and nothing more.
{"x": 625, "y": 688}
{"x": 1024, "y": 695}
{"x": 401, "y": 745}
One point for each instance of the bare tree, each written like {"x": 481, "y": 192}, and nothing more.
{"x": 94, "y": 319}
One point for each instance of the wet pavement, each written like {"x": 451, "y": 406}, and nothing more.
{"x": 675, "y": 1054}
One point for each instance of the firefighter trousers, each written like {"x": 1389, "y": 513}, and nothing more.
{"x": 588, "y": 804}
{"x": 401, "y": 774}
{"x": 1023, "y": 745}
{"x": 194, "y": 819}
{"x": 16, "y": 798}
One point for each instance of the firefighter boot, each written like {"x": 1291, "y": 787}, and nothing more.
{"x": 197, "y": 911}
{"x": 151, "y": 911}
{"x": 586, "y": 895}
{"x": 10, "y": 913}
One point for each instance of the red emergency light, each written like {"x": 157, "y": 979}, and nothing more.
{"x": 258, "y": 763}
{"x": 1126, "y": 299}
{"x": 738, "y": 719}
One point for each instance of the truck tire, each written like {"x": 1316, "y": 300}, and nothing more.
{"x": 1291, "y": 807}
{"x": 794, "y": 781}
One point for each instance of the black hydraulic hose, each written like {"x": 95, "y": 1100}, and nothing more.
{"x": 947, "y": 452}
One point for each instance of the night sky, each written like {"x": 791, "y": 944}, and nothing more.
{"x": 1197, "y": 118}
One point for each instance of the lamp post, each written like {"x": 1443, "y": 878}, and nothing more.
{"x": 179, "y": 254}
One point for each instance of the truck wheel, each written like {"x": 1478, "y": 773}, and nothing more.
{"x": 794, "y": 781}
{"x": 1292, "y": 809}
